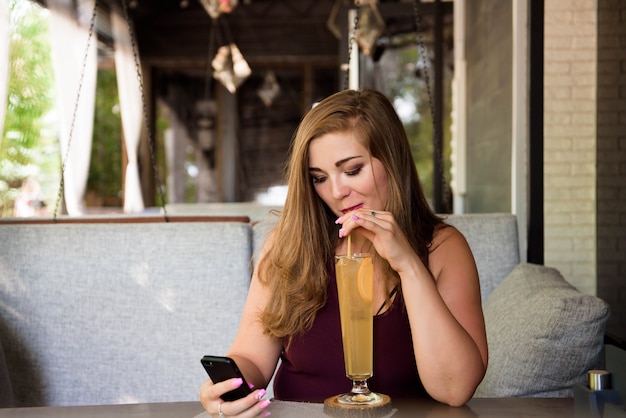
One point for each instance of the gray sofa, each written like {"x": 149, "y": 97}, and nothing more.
{"x": 105, "y": 313}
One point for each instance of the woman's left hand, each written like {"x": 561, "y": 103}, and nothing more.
{"x": 383, "y": 231}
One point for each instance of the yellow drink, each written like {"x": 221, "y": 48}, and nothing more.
{"x": 355, "y": 287}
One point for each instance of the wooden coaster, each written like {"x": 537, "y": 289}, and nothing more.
{"x": 333, "y": 408}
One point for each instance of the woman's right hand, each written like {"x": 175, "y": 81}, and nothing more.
{"x": 253, "y": 405}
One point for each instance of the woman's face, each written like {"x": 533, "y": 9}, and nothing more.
{"x": 345, "y": 175}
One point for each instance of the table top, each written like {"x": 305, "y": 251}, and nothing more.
{"x": 479, "y": 407}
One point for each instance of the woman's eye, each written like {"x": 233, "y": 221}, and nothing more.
{"x": 354, "y": 172}
{"x": 318, "y": 180}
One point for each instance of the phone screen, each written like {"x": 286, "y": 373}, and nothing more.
{"x": 223, "y": 368}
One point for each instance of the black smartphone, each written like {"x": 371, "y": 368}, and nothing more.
{"x": 222, "y": 368}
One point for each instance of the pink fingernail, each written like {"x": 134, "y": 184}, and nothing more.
{"x": 338, "y": 221}
{"x": 261, "y": 394}
{"x": 341, "y": 233}
{"x": 264, "y": 404}
{"x": 356, "y": 218}
{"x": 237, "y": 382}
{"x": 267, "y": 413}
{"x": 250, "y": 385}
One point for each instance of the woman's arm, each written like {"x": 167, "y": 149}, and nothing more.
{"x": 446, "y": 318}
{"x": 255, "y": 353}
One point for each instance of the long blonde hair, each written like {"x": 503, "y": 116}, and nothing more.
{"x": 305, "y": 236}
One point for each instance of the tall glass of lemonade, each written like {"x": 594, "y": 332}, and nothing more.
{"x": 355, "y": 287}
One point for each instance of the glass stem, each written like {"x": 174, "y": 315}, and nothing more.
{"x": 360, "y": 387}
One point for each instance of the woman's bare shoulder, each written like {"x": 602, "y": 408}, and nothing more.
{"x": 450, "y": 251}
{"x": 445, "y": 235}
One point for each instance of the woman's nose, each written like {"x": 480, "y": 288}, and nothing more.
{"x": 339, "y": 189}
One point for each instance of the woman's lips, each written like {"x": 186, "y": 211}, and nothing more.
{"x": 353, "y": 208}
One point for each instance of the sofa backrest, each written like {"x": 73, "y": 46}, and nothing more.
{"x": 118, "y": 313}
{"x": 494, "y": 243}
{"x": 102, "y": 313}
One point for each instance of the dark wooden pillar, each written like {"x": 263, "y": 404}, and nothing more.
{"x": 535, "y": 152}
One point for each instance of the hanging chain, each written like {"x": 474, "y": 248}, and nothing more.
{"x": 146, "y": 118}
{"x": 209, "y": 71}
{"x": 351, "y": 42}
{"x": 436, "y": 133}
{"x": 424, "y": 55}
{"x": 92, "y": 23}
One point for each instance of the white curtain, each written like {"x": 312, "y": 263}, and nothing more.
{"x": 4, "y": 61}
{"x": 69, "y": 35}
{"x": 131, "y": 109}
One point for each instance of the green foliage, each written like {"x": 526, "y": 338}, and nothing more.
{"x": 27, "y": 149}
{"x": 405, "y": 78}
{"x": 105, "y": 169}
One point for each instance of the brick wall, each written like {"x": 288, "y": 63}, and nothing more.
{"x": 570, "y": 140}
{"x": 585, "y": 148}
{"x": 611, "y": 160}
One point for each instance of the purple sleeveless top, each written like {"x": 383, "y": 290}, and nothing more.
{"x": 313, "y": 368}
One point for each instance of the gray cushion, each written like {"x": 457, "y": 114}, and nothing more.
{"x": 260, "y": 230}
{"x": 543, "y": 335}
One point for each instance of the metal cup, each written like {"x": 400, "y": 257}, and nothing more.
{"x": 599, "y": 379}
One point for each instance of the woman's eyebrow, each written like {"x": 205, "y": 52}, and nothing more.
{"x": 337, "y": 164}
{"x": 345, "y": 160}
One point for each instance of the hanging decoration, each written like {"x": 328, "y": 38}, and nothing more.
{"x": 230, "y": 67}
{"x": 216, "y": 7}
{"x": 270, "y": 89}
{"x": 331, "y": 23}
{"x": 371, "y": 26}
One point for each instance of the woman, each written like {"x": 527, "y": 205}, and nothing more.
{"x": 351, "y": 172}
